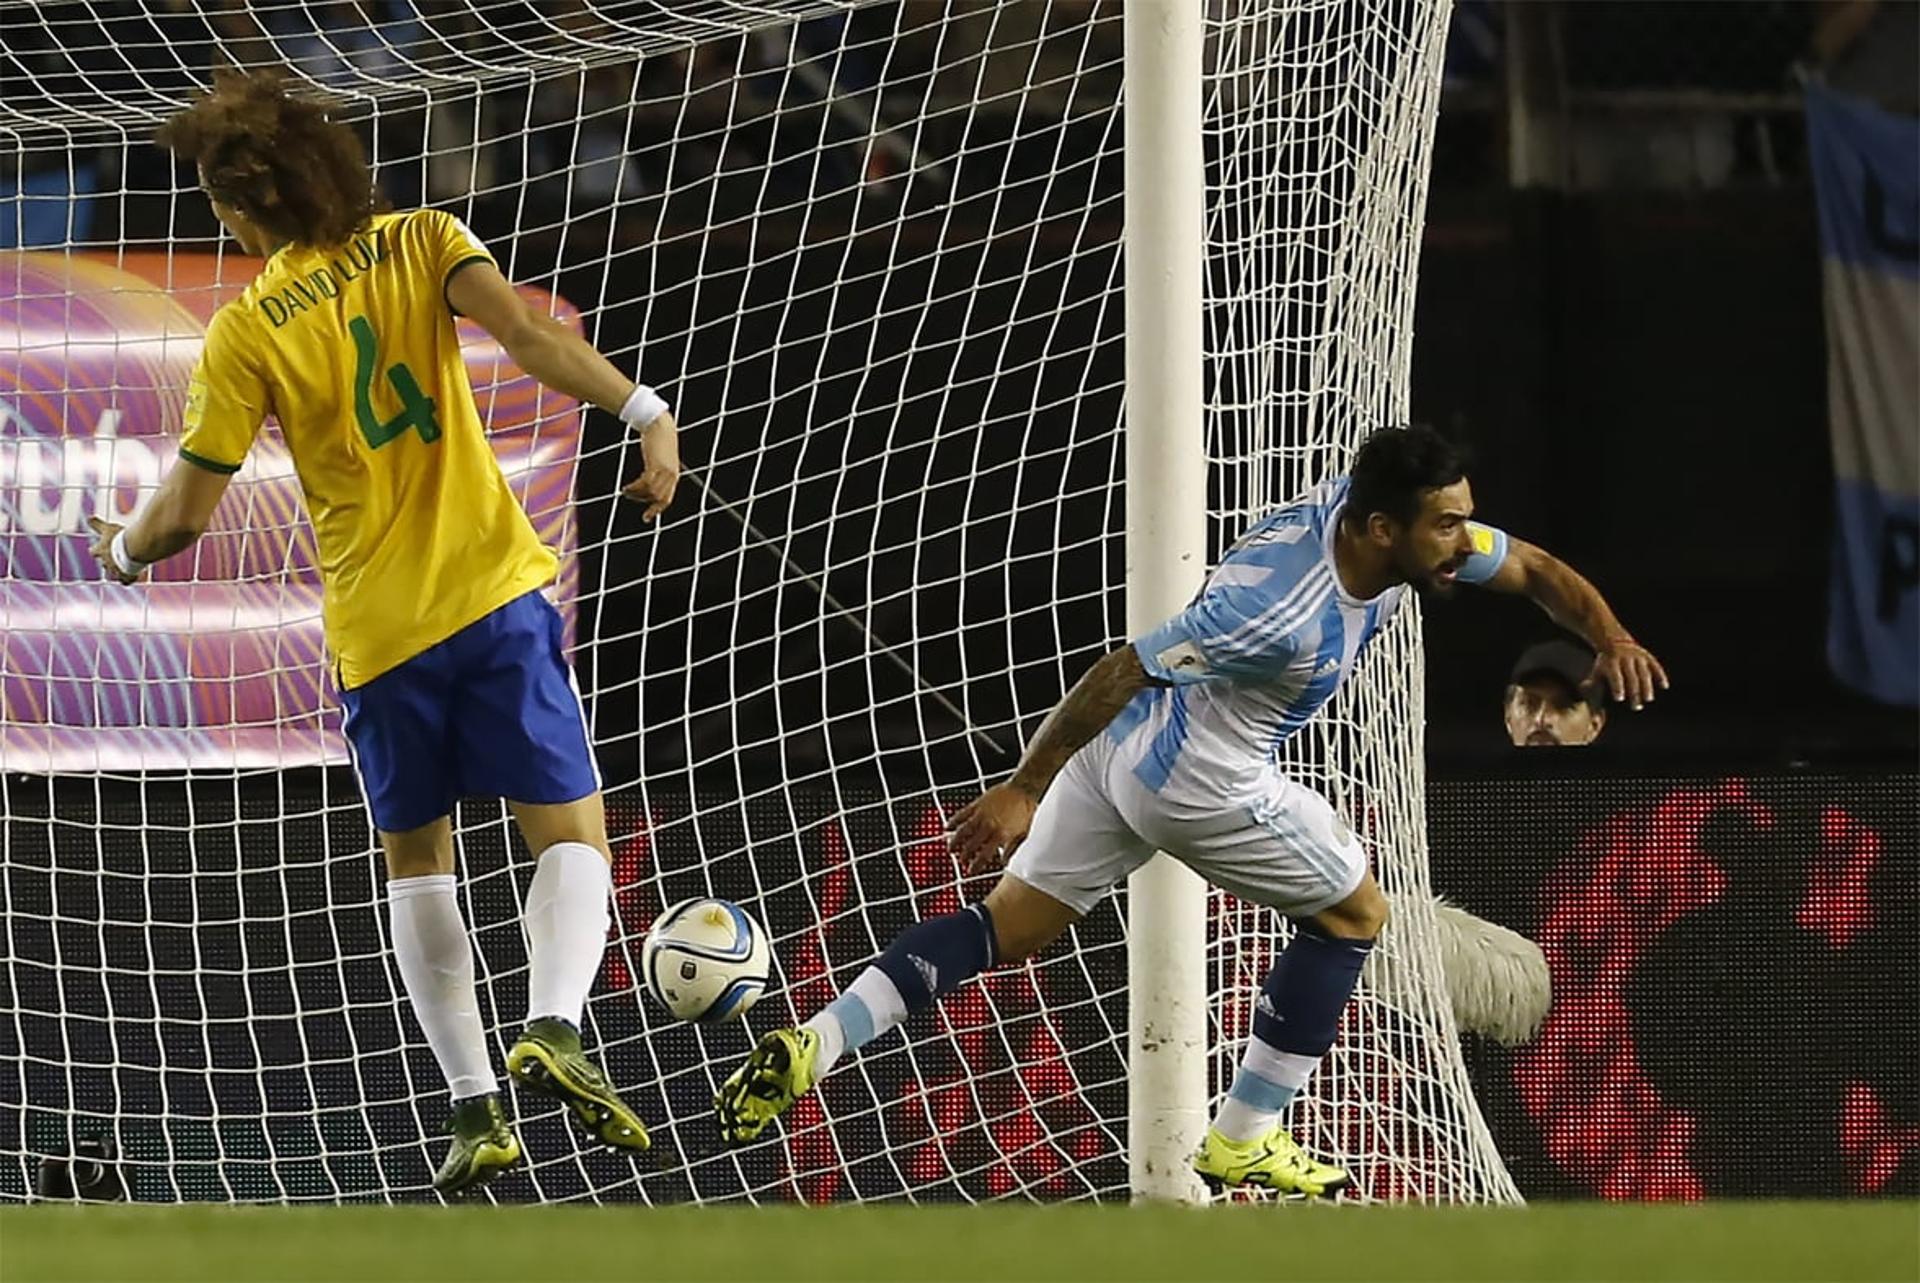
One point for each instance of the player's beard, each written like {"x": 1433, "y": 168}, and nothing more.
{"x": 1432, "y": 585}
{"x": 1425, "y": 577}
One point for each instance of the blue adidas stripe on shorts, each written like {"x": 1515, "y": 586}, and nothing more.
{"x": 492, "y": 711}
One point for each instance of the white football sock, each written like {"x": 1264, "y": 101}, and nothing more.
{"x": 870, "y": 1006}
{"x": 566, "y": 920}
{"x": 1266, "y": 1083}
{"x": 436, "y": 963}
{"x": 833, "y": 1039}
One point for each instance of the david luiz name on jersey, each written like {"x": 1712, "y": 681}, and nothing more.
{"x": 362, "y": 254}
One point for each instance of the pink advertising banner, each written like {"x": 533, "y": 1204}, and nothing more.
{"x": 218, "y": 662}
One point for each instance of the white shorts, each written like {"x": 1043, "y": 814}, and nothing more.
{"x": 1286, "y": 848}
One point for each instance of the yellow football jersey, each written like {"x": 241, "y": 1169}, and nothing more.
{"x": 353, "y": 350}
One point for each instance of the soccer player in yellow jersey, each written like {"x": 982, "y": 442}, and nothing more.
{"x": 448, "y": 657}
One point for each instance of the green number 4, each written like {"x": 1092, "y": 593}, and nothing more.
{"x": 416, "y": 408}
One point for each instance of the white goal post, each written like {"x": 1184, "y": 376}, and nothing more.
{"x": 1166, "y": 561}
{"x": 933, "y": 285}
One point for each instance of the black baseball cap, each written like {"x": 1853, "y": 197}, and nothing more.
{"x": 1571, "y": 662}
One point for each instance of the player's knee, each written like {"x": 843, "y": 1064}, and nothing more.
{"x": 546, "y": 825}
{"x": 419, "y": 853}
{"x": 416, "y": 864}
{"x": 1361, "y": 916}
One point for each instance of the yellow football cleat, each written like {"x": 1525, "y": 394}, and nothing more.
{"x": 548, "y": 1061}
{"x": 779, "y": 1072}
{"x": 483, "y": 1146}
{"x": 1275, "y": 1162}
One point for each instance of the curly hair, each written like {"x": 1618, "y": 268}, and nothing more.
{"x": 281, "y": 161}
{"x": 1396, "y": 466}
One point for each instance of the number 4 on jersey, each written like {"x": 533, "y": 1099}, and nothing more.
{"x": 416, "y": 408}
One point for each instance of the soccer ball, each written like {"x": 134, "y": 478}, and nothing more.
{"x": 706, "y": 960}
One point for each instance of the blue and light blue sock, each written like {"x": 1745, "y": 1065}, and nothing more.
{"x": 1294, "y": 1023}
{"x": 924, "y": 962}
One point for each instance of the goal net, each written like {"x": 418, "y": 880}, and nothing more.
{"x": 873, "y": 254}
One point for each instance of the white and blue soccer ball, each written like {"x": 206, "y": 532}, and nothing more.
{"x": 706, "y": 960}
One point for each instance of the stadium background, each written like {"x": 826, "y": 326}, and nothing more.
{"x": 1634, "y": 350}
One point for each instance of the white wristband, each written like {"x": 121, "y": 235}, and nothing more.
{"x": 128, "y": 563}
{"x": 643, "y": 407}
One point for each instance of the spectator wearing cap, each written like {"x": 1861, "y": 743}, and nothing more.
{"x": 1551, "y": 701}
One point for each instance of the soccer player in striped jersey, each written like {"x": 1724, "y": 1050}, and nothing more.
{"x": 1171, "y": 743}
{"x": 448, "y": 658}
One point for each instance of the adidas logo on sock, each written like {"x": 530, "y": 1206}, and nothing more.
{"x": 1264, "y": 1005}
{"x": 929, "y": 973}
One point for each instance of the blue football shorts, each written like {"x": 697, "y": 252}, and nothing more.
{"x": 492, "y": 711}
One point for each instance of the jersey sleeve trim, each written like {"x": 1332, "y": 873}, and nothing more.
{"x": 211, "y": 465}
{"x": 454, "y": 271}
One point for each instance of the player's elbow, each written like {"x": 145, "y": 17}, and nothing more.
{"x": 526, "y": 335}
{"x": 178, "y": 518}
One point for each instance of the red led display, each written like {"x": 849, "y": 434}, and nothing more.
{"x": 1719, "y": 956}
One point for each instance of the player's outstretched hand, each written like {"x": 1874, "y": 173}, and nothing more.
{"x": 102, "y": 549}
{"x": 987, "y": 830}
{"x": 1630, "y": 672}
{"x": 654, "y": 487}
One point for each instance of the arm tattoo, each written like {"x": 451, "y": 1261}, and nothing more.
{"x": 1093, "y": 702}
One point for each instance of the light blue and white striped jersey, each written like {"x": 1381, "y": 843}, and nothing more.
{"x": 1264, "y": 645}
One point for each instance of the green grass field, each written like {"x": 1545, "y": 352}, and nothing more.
{"x": 787, "y": 1244}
